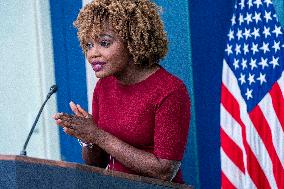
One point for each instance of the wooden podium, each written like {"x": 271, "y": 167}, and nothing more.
{"x": 26, "y": 172}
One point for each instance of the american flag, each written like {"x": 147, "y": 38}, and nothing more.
{"x": 252, "y": 103}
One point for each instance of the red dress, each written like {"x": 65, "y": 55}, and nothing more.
{"x": 152, "y": 115}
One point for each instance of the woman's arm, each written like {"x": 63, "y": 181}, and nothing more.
{"x": 140, "y": 161}
{"x": 95, "y": 156}
{"x": 135, "y": 159}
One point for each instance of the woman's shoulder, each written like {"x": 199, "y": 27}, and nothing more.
{"x": 167, "y": 80}
{"x": 170, "y": 87}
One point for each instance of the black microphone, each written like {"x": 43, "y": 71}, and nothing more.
{"x": 52, "y": 90}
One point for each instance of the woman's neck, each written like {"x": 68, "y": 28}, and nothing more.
{"x": 135, "y": 73}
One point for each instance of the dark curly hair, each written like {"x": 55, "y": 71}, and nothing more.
{"x": 137, "y": 22}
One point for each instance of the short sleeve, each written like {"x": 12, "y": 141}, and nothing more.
{"x": 172, "y": 124}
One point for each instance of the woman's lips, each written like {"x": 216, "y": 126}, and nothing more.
{"x": 97, "y": 66}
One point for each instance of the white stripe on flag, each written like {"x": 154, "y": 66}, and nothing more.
{"x": 275, "y": 126}
{"x": 232, "y": 172}
{"x": 231, "y": 128}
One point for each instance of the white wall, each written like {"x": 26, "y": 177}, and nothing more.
{"x": 26, "y": 73}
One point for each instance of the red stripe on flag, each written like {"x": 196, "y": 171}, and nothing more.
{"x": 254, "y": 169}
{"x": 264, "y": 132}
{"x": 278, "y": 103}
{"x": 226, "y": 184}
{"x": 232, "y": 150}
{"x": 231, "y": 104}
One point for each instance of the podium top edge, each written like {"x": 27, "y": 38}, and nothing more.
{"x": 92, "y": 169}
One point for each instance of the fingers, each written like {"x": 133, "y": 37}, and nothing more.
{"x": 57, "y": 116}
{"x": 65, "y": 120}
{"x": 60, "y": 116}
{"x": 83, "y": 112}
{"x": 74, "y": 109}
{"x": 65, "y": 123}
{"x": 79, "y": 111}
{"x": 73, "y": 133}
{"x": 72, "y": 124}
{"x": 69, "y": 131}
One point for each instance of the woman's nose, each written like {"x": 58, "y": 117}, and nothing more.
{"x": 93, "y": 52}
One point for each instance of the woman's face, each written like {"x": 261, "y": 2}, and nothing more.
{"x": 107, "y": 54}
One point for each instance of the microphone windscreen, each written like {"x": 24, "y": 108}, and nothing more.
{"x": 53, "y": 89}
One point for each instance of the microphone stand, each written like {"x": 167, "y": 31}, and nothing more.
{"x": 24, "y": 152}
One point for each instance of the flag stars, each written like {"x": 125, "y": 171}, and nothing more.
{"x": 244, "y": 63}
{"x": 229, "y": 49}
{"x": 249, "y": 3}
{"x": 264, "y": 47}
{"x": 242, "y": 4}
{"x": 246, "y": 49}
{"x": 276, "y": 46}
{"x": 248, "y": 94}
{"x": 274, "y": 15}
{"x": 239, "y": 34}
{"x": 251, "y": 78}
{"x": 268, "y": 2}
{"x": 231, "y": 35}
{"x": 247, "y": 33}
{"x": 242, "y": 79}
{"x": 254, "y": 48}
{"x": 257, "y": 17}
{"x": 263, "y": 63}
{"x": 233, "y": 19}
{"x": 261, "y": 78}
{"x": 277, "y": 31}
{"x": 238, "y": 49}
{"x": 255, "y": 42}
{"x": 252, "y": 63}
{"x": 236, "y": 63}
{"x": 255, "y": 33}
{"x": 266, "y": 31}
{"x": 241, "y": 19}
{"x": 248, "y": 18}
{"x": 267, "y": 16}
{"x": 257, "y": 3}
{"x": 274, "y": 62}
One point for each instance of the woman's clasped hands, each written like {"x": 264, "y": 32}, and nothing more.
{"x": 80, "y": 125}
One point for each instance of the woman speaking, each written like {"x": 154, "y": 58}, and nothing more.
{"x": 140, "y": 112}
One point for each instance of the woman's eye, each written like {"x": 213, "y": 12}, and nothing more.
{"x": 105, "y": 43}
{"x": 90, "y": 45}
